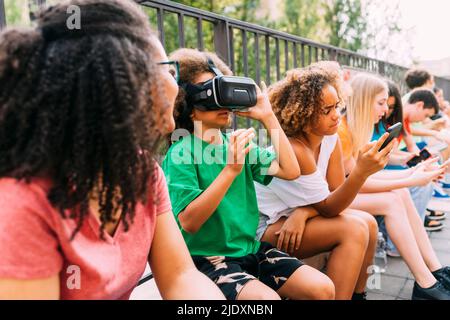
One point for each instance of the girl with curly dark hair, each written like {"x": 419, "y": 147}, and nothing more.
{"x": 84, "y": 204}
{"x": 309, "y": 215}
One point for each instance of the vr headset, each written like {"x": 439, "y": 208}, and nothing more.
{"x": 221, "y": 92}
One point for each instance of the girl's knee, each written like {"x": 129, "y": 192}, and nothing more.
{"x": 356, "y": 229}
{"x": 390, "y": 203}
{"x": 403, "y": 193}
{"x": 371, "y": 223}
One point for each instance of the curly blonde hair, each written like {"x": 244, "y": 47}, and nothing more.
{"x": 297, "y": 99}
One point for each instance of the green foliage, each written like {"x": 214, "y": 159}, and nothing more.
{"x": 347, "y": 23}
{"x": 17, "y": 13}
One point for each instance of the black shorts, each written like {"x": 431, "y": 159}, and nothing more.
{"x": 269, "y": 265}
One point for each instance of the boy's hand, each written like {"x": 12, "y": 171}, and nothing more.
{"x": 263, "y": 109}
{"x": 240, "y": 145}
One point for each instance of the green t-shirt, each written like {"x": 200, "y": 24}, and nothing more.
{"x": 231, "y": 229}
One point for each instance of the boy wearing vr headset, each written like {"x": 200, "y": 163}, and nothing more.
{"x": 210, "y": 177}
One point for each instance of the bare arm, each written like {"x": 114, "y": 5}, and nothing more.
{"x": 286, "y": 166}
{"x": 38, "y": 289}
{"x": 423, "y": 132}
{"x": 173, "y": 269}
{"x": 410, "y": 144}
{"x": 393, "y": 174}
{"x": 345, "y": 190}
{"x": 419, "y": 177}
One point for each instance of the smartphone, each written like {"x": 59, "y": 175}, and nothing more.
{"x": 394, "y": 131}
{"x": 424, "y": 155}
{"x": 436, "y": 116}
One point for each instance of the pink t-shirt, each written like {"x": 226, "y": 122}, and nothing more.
{"x": 35, "y": 242}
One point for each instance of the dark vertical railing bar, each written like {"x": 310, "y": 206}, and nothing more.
{"x": 277, "y": 57}
{"x": 267, "y": 44}
{"x": 302, "y": 53}
{"x": 160, "y": 17}
{"x": 294, "y": 54}
{"x": 222, "y": 40}
{"x": 257, "y": 64}
{"x": 2, "y": 14}
{"x": 232, "y": 64}
{"x": 316, "y": 54}
{"x": 181, "y": 39}
{"x": 244, "y": 52}
{"x": 286, "y": 55}
{"x": 200, "y": 44}
{"x": 232, "y": 57}
{"x": 309, "y": 55}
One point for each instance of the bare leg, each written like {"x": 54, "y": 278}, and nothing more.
{"x": 256, "y": 290}
{"x": 371, "y": 248}
{"x": 391, "y": 206}
{"x": 307, "y": 283}
{"x": 426, "y": 249}
{"x": 345, "y": 236}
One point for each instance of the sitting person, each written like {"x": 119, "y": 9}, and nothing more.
{"x": 386, "y": 195}
{"x": 210, "y": 177}
{"x": 302, "y": 216}
{"x": 418, "y": 79}
{"x": 84, "y": 206}
{"x": 421, "y": 195}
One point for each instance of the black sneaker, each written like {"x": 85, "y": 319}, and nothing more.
{"x": 432, "y": 225}
{"x": 436, "y": 292}
{"x": 443, "y": 276}
{"x": 359, "y": 296}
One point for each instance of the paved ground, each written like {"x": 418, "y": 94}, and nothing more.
{"x": 395, "y": 284}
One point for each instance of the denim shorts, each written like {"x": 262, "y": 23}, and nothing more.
{"x": 262, "y": 226}
{"x": 264, "y": 221}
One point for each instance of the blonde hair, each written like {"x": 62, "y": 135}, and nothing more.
{"x": 360, "y": 108}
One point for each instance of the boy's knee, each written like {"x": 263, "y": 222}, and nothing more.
{"x": 265, "y": 295}
{"x": 323, "y": 290}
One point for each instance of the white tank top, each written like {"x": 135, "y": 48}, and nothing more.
{"x": 281, "y": 195}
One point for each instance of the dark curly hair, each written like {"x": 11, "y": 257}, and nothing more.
{"x": 76, "y": 107}
{"x": 297, "y": 99}
{"x": 192, "y": 63}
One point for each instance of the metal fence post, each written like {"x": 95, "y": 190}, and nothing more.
{"x": 381, "y": 68}
{"x": 222, "y": 40}
{"x": 2, "y": 14}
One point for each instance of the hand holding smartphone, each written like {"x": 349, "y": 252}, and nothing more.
{"x": 424, "y": 155}
{"x": 394, "y": 131}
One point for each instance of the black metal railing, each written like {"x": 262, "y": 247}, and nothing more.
{"x": 2, "y": 14}
{"x": 251, "y": 50}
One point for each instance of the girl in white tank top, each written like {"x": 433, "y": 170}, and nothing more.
{"x": 309, "y": 215}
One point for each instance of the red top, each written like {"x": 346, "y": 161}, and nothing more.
{"x": 35, "y": 242}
